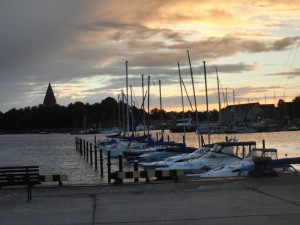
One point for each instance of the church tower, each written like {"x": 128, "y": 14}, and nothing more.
{"x": 49, "y": 99}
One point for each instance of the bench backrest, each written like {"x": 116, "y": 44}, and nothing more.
{"x": 19, "y": 175}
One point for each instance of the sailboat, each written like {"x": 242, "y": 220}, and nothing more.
{"x": 184, "y": 124}
{"x": 86, "y": 129}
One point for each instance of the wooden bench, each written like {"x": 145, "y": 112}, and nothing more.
{"x": 20, "y": 175}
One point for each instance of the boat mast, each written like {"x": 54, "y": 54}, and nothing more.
{"x": 161, "y": 114}
{"x": 143, "y": 106}
{"x": 131, "y": 111}
{"x": 183, "y": 118}
{"x": 218, "y": 82}
{"x": 196, "y": 110}
{"x": 123, "y": 113}
{"x": 207, "y": 113}
{"x": 119, "y": 109}
{"x": 126, "y": 64}
{"x": 233, "y": 95}
{"x": 148, "y": 103}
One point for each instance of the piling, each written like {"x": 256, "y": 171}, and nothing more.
{"x": 120, "y": 167}
{"x": 263, "y": 143}
{"x": 120, "y": 162}
{"x": 76, "y": 143}
{"x": 84, "y": 149}
{"x": 91, "y": 155}
{"x": 87, "y": 151}
{"x": 136, "y": 168}
{"x": 79, "y": 144}
{"x": 80, "y": 147}
{"x": 95, "y": 157}
{"x": 108, "y": 167}
{"x": 101, "y": 163}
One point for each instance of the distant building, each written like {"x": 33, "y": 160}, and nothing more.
{"x": 268, "y": 111}
{"x": 247, "y": 113}
{"x": 49, "y": 99}
{"x": 237, "y": 114}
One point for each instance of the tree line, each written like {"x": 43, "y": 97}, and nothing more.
{"x": 105, "y": 115}
{"x": 57, "y": 118}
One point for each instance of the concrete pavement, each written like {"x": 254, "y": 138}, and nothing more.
{"x": 211, "y": 201}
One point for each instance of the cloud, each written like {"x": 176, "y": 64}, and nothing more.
{"x": 289, "y": 74}
{"x": 66, "y": 41}
{"x": 261, "y": 46}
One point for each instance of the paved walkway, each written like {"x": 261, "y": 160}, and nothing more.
{"x": 223, "y": 201}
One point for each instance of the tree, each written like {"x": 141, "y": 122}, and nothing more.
{"x": 280, "y": 103}
{"x": 297, "y": 99}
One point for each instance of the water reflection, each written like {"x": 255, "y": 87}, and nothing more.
{"x": 56, "y": 154}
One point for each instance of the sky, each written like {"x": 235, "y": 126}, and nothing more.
{"x": 81, "y": 48}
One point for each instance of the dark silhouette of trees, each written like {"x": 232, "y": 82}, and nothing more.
{"x": 297, "y": 99}
{"x": 107, "y": 114}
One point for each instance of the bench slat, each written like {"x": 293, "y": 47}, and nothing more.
{"x": 20, "y": 175}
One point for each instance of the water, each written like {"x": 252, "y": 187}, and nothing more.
{"x": 56, "y": 154}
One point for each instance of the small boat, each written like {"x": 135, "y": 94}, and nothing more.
{"x": 152, "y": 146}
{"x": 184, "y": 125}
{"x": 223, "y": 153}
{"x": 141, "y": 127}
{"x": 161, "y": 154}
{"x": 110, "y": 131}
{"x": 241, "y": 167}
{"x": 200, "y": 152}
{"x": 177, "y": 158}
{"x": 118, "y": 144}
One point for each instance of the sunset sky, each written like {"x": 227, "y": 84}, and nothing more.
{"x": 81, "y": 48}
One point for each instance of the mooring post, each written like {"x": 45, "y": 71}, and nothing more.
{"x": 108, "y": 167}
{"x": 136, "y": 168}
{"x": 95, "y": 156}
{"x": 263, "y": 143}
{"x": 168, "y": 138}
{"x": 76, "y": 148}
{"x": 226, "y": 138}
{"x": 80, "y": 146}
{"x": 78, "y": 143}
{"x": 120, "y": 167}
{"x": 120, "y": 162}
{"x": 101, "y": 162}
{"x": 84, "y": 149}
{"x": 91, "y": 155}
{"x": 183, "y": 139}
{"x": 87, "y": 151}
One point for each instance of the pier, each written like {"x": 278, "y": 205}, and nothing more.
{"x": 215, "y": 201}
{"x": 234, "y": 200}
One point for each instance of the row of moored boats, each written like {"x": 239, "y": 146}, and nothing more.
{"x": 221, "y": 159}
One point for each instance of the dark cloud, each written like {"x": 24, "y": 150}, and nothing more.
{"x": 64, "y": 41}
{"x": 260, "y": 46}
{"x": 291, "y": 74}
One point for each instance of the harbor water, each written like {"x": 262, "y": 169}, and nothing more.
{"x": 55, "y": 153}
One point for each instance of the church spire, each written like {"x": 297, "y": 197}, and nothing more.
{"x": 49, "y": 99}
